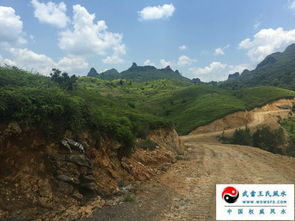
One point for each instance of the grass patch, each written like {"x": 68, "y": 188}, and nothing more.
{"x": 129, "y": 197}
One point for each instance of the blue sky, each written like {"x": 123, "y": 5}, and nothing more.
{"x": 205, "y": 39}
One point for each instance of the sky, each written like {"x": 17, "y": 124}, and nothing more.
{"x": 202, "y": 39}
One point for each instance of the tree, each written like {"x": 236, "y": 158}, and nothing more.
{"x": 269, "y": 140}
{"x": 63, "y": 79}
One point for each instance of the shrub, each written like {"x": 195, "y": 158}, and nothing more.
{"x": 263, "y": 138}
{"x": 223, "y": 139}
{"x": 128, "y": 197}
{"x": 269, "y": 140}
{"x": 147, "y": 144}
{"x": 291, "y": 149}
{"x": 242, "y": 137}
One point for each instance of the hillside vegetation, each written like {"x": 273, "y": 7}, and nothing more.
{"x": 289, "y": 125}
{"x": 120, "y": 108}
{"x": 277, "y": 69}
{"x": 50, "y": 105}
{"x": 186, "y": 105}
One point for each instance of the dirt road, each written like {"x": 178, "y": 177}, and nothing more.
{"x": 258, "y": 118}
{"x": 187, "y": 190}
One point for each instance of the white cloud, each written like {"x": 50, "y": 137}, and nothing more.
{"x": 214, "y": 66}
{"x": 89, "y": 38}
{"x": 156, "y": 12}
{"x": 148, "y": 62}
{"x": 51, "y": 13}
{"x": 218, "y": 51}
{"x": 267, "y": 41}
{"x": 238, "y": 68}
{"x": 29, "y": 60}
{"x": 72, "y": 64}
{"x": 11, "y": 26}
{"x": 182, "y": 47}
{"x": 116, "y": 57}
{"x": 164, "y": 63}
{"x": 32, "y": 61}
{"x": 185, "y": 60}
{"x": 217, "y": 71}
{"x": 291, "y": 4}
{"x": 5, "y": 61}
{"x": 113, "y": 59}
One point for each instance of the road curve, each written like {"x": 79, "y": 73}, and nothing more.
{"x": 258, "y": 118}
{"x": 187, "y": 190}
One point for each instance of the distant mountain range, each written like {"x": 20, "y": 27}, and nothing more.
{"x": 277, "y": 69}
{"x": 139, "y": 74}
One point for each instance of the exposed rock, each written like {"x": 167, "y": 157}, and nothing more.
{"x": 234, "y": 75}
{"x": 69, "y": 144}
{"x": 50, "y": 184}
{"x": 80, "y": 160}
{"x": 65, "y": 187}
{"x": 68, "y": 179}
{"x": 66, "y": 144}
{"x": 90, "y": 186}
{"x": 88, "y": 179}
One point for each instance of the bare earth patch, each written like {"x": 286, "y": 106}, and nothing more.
{"x": 187, "y": 190}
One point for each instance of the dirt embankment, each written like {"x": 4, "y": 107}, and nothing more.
{"x": 52, "y": 180}
{"x": 187, "y": 190}
{"x": 267, "y": 114}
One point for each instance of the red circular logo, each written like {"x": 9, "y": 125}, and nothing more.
{"x": 230, "y": 194}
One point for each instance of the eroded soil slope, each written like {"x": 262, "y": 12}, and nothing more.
{"x": 53, "y": 179}
{"x": 187, "y": 190}
{"x": 265, "y": 115}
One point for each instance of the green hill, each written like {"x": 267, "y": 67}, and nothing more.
{"x": 201, "y": 104}
{"x": 120, "y": 108}
{"x": 139, "y": 74}
{"x": 48, "y": 104}
{"x": 185, "y": 104}
{"x": 277, "y": 69}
